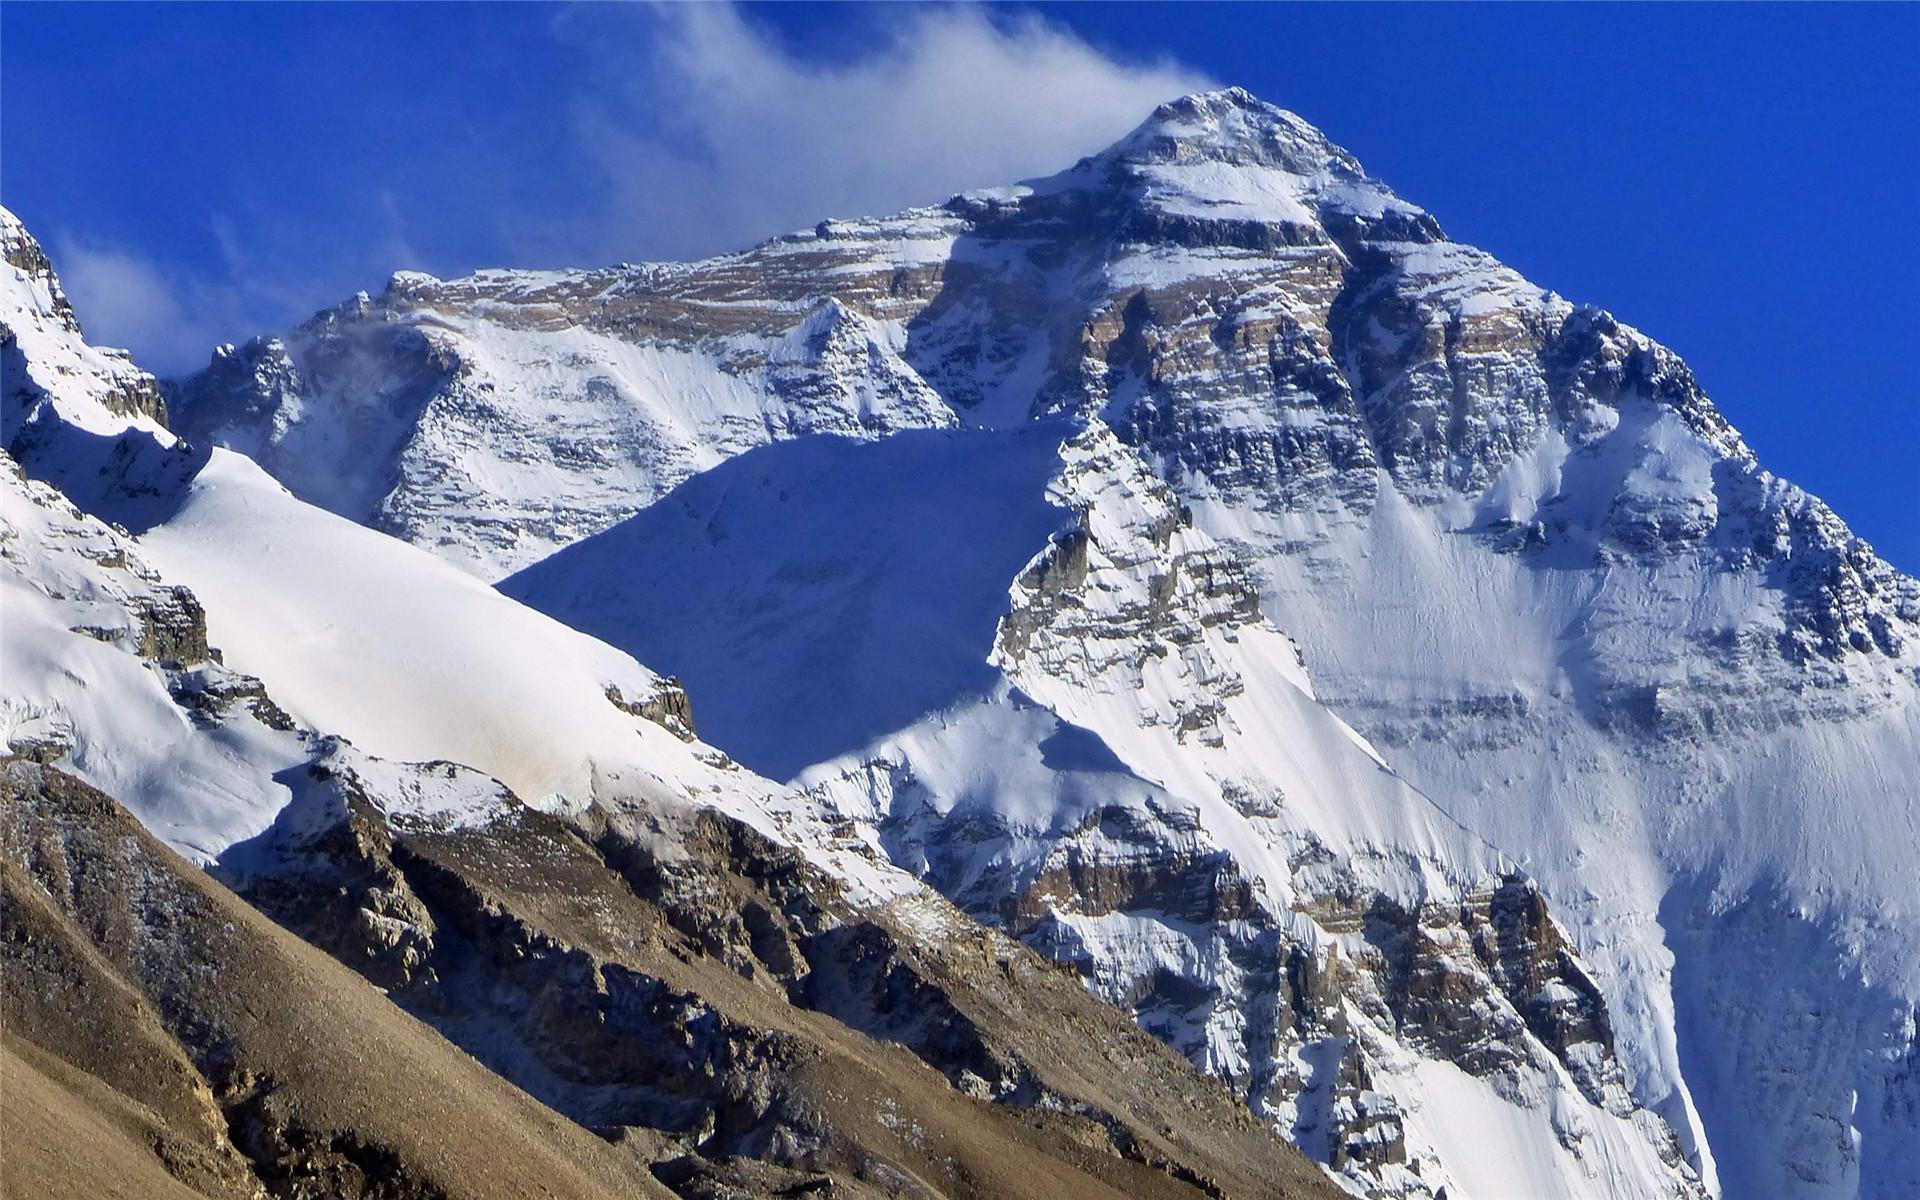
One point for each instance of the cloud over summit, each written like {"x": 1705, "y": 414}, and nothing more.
{"x": 714, "y": 135}
{"x": 597, "y": 134}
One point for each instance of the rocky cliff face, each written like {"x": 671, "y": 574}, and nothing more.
{"x": 1136, "y": 607}
{"x": 674, "y": 978}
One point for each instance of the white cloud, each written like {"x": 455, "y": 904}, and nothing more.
{"x": 714, "y": 136}
{"x": 123, "y": 299}
{"x": 172, "y": 316}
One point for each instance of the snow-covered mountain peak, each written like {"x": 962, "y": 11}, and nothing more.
{"x": 22, "y": 252}
{"x": 1227, "y": 156}
{"x": 43, "y": 353}
{"x": 1231, "y": 125}
{"x": 1520, "y": 549}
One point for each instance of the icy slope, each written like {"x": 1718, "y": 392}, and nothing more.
{"x": 365, "y": 636}
{"x": 87, "y": 625}
{"x": 841, "y": 590}
{"x": 221, "y": 633}
{"x": 1700, "y": 783}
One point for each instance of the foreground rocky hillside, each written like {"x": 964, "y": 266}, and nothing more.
{"x": 1519, "y": 549}
{"x": 227, "y": 1058}
{"x": 164, "y": 1039}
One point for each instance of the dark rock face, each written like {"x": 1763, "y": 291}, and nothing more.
{"x": 1518, "y": 950}
{"x": 1314, "y": 444}
{"x": 1201, "y": 886}
{"x": 173, "y": 628}
{"x": 19, "y": 249}
{"x": 617, "y": 1045}
{"x": 667, "y": 706}
{"x": 210, "y": 693}
{"x": 868, "y": 980}
{"x": 259, "y": 374}
{"x": 1489, "y": 985}
{"x": 1528, "y": 955}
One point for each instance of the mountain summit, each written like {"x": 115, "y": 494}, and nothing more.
{"x": 1226, "y": 155}
{"x": 1519, "y": 547}
{"x": 1231, "y": 125}
{"x": 1398, "y": 688}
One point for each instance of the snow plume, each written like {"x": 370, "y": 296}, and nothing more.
{"x": 171, "y": 315}
{"x": 713, "y": 133}
{"x": 125, "y": 299}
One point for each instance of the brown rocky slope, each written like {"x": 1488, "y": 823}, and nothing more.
{"x": 668, "y": 986}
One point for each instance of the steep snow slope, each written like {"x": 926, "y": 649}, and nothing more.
{"x": 1519, "y": 547}
{"x": 1558, "y": 589}
{"x": 1700, "y": 783}
{"x": 87, "y": 625}
{"x": 840, "y": 590}
{"x": 365, "y": 636}
{"x": 126, "y": 644}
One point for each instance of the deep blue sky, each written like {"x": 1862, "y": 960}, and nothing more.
{"x": 1741, "y": 182}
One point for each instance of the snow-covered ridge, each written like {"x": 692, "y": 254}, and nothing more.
{"x": 201, "y": 636}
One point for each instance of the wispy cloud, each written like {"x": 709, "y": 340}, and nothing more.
{"x": 171, "y": 314}
{"x": 125, "y": 299}
{"x": 713, "y": 135}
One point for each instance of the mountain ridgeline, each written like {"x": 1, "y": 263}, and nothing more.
{"x": 1415, "y": 728}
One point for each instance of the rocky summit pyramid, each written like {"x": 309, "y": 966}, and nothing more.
{"x": 1395, "y": 689}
